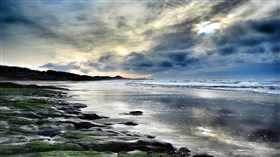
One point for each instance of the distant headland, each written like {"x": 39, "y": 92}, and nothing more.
{"x": 19, "y": 73}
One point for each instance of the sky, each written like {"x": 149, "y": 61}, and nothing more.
{"x": 165, "y": 39}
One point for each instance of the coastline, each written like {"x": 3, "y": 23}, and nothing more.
{"x": 37, "y": 121}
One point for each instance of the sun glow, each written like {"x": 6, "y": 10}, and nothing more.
{"x": 207, "y": 28}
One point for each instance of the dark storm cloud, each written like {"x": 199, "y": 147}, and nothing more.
{"x": 268, "y": 26}
{"x": 182, "y": 39}
{"x": 106, "y": 57}
{"x": 256, "y": 50}
{"x": 143, "y": 62}
{"x": 275, "y": 48}
{"x": 249, "y": 35}
{"x": 61, "y": 67}
{"x": 12, "y": 15}
{"x": 228, "y": 50}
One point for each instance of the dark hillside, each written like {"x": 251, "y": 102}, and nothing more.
{"x": 18, "y": 73}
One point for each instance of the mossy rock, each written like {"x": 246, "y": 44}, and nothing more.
{"x": 20, "y": 121}
{"x": 36, "y": 146}
{"x": 74, "y": 135}
{"x": 89, "y": 154}
{"x": 25, "y": 91}
{"x": 66, "y": 154}
{"x": 25, "y": 105}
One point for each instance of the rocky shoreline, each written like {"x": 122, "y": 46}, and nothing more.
{"x": 37, "y": 121}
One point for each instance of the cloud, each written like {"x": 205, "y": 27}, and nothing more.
{"x": 143, "y": 62}
{"x": 250, "y": 33}
{"x": 53, "y": 22}
{"x": 173, "y": 45}
{"x": 61, "y": 67}
{"x": 275, "y": 48}
{"x": 256, "y": 50}
{"x": 224, "y": 8}
{"x": 228, "y": 50}
{"x": 141, "y": 37}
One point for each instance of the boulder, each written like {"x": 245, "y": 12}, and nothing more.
{"x": 182, "y": 152}
{"x": 88, "y": 116}
{"x": 129, "y": 123}
{"x": 135, "y": 113}
{"x": 83, "y": 124}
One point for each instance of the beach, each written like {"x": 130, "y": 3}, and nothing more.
{"x": 208, "y": 119}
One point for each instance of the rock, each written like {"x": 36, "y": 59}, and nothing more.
{"x": 4, "y": 108}
{"x": 50, "y": 132}
{"x": 83, "y": 124}
{"x": 202, "y": 155}
{"x": 183, "y": 152}
{"x": 4, "y": 125}
{"x": 62, "y": 103}
{"x": 150, "y": 136}
{"x": 63, "y": 108}
{"x": 47, "y": 130}
{"x": 78, "y": 106}
{"x": 129, "y": 123}
{"x": 21, "y": 139}
{"x": 142, "y": 145}
{"x": 31, "y": 115}
{"x": 135, "y": 113}
{"x": 4, "y": 139}
{"x": 41, "y": 121}
{"x": 87, "y": 116}
{"x": 86, "y": 125}
{"x": 29, "y": 128}
{"x": 68, "y": 106}
{"x": 54, "y": 130}
{"x": 66, "y": 115}
{"x": 72, "y": 111}
{"x": 49, "y": 114}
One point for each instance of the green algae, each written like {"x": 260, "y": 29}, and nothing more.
{"x": 66, "y": 154}
{"x": 21, "y": 121}
{"x": 89, "y": 154}
{"x": 74, "y": 135}
{"x": 36, "y": 146}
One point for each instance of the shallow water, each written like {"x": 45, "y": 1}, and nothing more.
{"x": 217, "y": 121}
